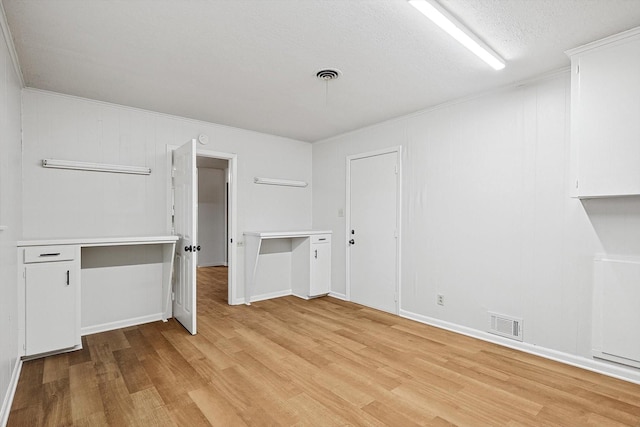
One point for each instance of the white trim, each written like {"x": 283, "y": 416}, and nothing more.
{"x": 337, "y": 295}
{"x": 615, "y": 39}
{"x": 232, "y": 240}
{"x": 88, "y": 330}
{"x": 615, "y": 371}
{"x": 11, "y": 392}
{"x": 270, "y": 295}
{"x": 155, "y": 113}
{"x": 389, "y": 150}
{"x": 8, "y": 39}
{"x": 511, "y": 86}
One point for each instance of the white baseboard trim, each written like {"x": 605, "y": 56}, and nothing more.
{"x": 88, "y": 330}
{"x": 615, "y": 371}
{"x": 343, "y": 297}
{"x": 262, "y": 297}
{"x": 11, "y": 392}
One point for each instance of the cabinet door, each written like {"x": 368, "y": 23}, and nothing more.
{"x": 606, "y": 120}
{"x": 320, "y": 283}
{"x": 51, "y": 307}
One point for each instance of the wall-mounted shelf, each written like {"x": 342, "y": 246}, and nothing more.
{"x": 95, "y": 167}
{"x": 281, "y": 182}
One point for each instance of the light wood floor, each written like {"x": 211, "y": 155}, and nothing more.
{"x": 323, "y": 362}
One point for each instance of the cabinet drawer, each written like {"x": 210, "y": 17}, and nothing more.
{"x": 321, "y": 238}
{"x": 49, "y": 254}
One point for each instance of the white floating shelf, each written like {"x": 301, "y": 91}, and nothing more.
{"x": 282, "y": 182}
{"x": 96, "y": 167}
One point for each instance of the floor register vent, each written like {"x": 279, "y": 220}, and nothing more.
{"x": 506, "y": 326}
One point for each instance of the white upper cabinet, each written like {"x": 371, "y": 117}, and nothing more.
{"x": 605, "y": 117}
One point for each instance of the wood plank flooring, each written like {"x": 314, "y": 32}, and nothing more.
{"x": 325, "y": 362}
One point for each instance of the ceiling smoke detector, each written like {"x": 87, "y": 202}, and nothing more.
{"x": 328, "y": 74}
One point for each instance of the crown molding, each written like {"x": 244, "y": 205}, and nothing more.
{"x": 10, "y": 46}
{"x": 622, "y": 37}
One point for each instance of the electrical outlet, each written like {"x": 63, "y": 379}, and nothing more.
{"x": 440, "y": 299}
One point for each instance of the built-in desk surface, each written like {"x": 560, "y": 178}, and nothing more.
{"x": 253, "y": 243}
{"x": 76, "y": 245}
{"x": 101, "y": 241}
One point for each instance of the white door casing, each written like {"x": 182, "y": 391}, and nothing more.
{"x": 232, "y": 245}
{"x": 373, "y": 229}
{"x": 185, "y": 221}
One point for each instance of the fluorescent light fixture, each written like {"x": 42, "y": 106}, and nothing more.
{"x": 284, "y": 182}
{"x": 98, "y": 167}
{"x": 443, "y": 19}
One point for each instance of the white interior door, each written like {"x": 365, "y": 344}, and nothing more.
{"x": 186, "y": 195}
{"x": 373, "y": 230}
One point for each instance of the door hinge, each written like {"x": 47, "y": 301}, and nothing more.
{"x": 173, "y": 172}
{"x": 396, "y": 169}
{"x": 577, "y": 183}
{"x": 578, "y": 69}
{"x": 173, "y": 296}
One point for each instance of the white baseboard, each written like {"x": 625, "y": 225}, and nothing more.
{"x": 343, "y": 297}
{"x": 11, "y": 392}
{"x": 88, "y": 330}
{"x": 615, "y": 371}
{"x": 262, "y": 297}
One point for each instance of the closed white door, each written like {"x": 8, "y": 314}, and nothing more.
{"x": 372, "y": 231}
{"x": 185, "y": 220}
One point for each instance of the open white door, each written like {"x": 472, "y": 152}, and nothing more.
{"x": 185, "y": 221}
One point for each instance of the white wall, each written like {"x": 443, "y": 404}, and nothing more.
{"x": 487, "y": 218}
{"x": 11, "y": 217}
{"x": 64, "y": 203}
{"x": 211, "y": 217}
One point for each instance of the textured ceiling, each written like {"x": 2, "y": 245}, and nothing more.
{"x": 252, "y": 63}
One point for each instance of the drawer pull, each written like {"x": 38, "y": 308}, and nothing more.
{"x": 67, "y": 277}
{"x": 324, "y": 238}
{"x": 51, "y": 254}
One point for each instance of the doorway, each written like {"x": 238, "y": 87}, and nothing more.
{"x": 186, "y": 283}
{"x": 213, "y": 181}
{"x": 373, "y": 229}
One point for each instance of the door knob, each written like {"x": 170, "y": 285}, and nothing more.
{"x": 352, "y": 242}
{"x": 188, "y": 248}
{"x": 198, "y": 248}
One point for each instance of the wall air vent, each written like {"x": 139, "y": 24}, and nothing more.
{"x": 506, "y": 326}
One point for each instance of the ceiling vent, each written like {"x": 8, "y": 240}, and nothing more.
{"x": 328, "y": 74}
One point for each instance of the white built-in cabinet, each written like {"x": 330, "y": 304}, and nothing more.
{"x": 51, "y": 298}
{"x": 320, "y": 283}
{"x": 605, "y": 117}
{"x": 311, "y": 266}
{"x": 49, "y": 302}
{"x": 310, "y": 261}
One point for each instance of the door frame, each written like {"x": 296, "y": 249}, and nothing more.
{"x": 398, "y": 151}
{"x": 232, "y": 241}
